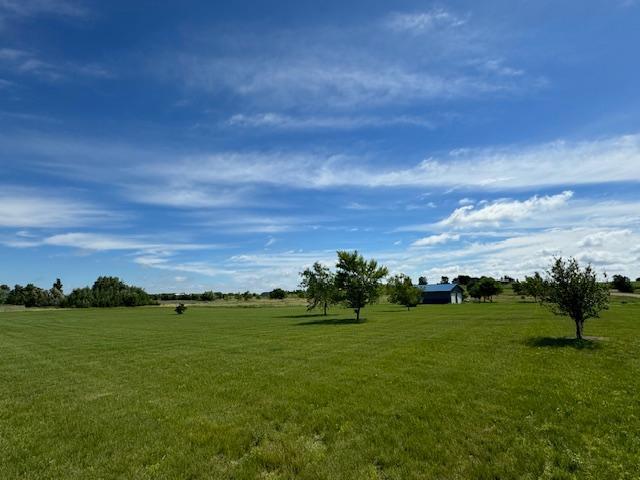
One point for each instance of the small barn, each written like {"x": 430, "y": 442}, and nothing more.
{"x": 442, "y": 293}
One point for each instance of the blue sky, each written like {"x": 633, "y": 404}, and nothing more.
{"x": 187, "y": 146}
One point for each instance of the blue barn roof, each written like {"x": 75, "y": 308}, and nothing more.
{"x": 441, "y": 287}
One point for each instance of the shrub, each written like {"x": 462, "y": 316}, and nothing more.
{"x": 622, "y": 284}
{"x": 277, "y": 294}
{"x": 181, "y": 308}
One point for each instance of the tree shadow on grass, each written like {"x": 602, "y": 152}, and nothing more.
{"x": 333, "y": 321}
{"x": 562, "y": 342}
{"x": 308, "y": 315}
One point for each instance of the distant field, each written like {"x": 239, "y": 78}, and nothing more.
{"x": 449, "y": 392}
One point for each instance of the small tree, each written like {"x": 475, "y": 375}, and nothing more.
{"x": 319, "y": 287}
{"x": 576, "y": 292}
{"x": 358, "y": 280}
{"x": 403, "y": 292}
{"x": 535, "y": 287}
{"x": 181, "y": 308}
{"x": 622, "y": 284}
{"x": 422, "y": 281}
{"x": 277, "y": 294}
{"x": 485, "y": 288}
{"x": 444, "y": 280}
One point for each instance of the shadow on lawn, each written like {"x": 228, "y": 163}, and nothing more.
{"x": 554, "y": 342}
{"x": 332, "y": 321}
{"x": 308, "y": 315}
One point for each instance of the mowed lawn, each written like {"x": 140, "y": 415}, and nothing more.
{"x": 447, "y": 392}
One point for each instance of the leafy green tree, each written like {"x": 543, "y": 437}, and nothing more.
{"x": 485, "y": 288}
{"x": 80, "y": 298}
{"x": 56, "y": 293}
{"x": 4, "y": 293}
{"x": 422, "y": 281}
{"x": 358, "y": 280}
{"x": 576, "y": 292}
{"x": 207, "y": 296}
{"x": 622, "y": 284}
{"x": 535, "y": 287}
{"x": 277, "y": 294}
{"x": 444, "y": 280}
{"x": 181, "y": 308}
{"x": 319, "y": 286}
{"x": 403, "y": 292}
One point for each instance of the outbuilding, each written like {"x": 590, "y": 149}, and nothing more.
{"x": 441, "y": 293}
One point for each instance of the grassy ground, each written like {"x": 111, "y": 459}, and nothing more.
{"x": 456, "y": 392}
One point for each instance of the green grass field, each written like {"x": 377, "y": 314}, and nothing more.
{"x": 448, "y": 392}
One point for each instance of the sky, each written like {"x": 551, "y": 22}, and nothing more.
{"x": 198, "y": 145}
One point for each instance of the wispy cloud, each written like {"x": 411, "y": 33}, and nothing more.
{"x": 422, "y": 22}
{"x": 28, "y": 8}
{"x": 22, "y": 62}
{"x": 327, "y": 70}
{"x": 505, "y": 168}
{"x": 292, "y": 122}
{"x": 22, "y": 207}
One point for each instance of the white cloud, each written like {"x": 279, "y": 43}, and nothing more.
{"x": 422, "y": 22}
{"x": 605, "y": 238}
{"x": 232, "y": 179}
{"x": 615, "y": 159}
{"x": 289, "y": 122}
{"x": 436, "y": 240}
{"x": 103, "y": 242}
{"x": 20, "y": 207}
{"x": 501, "y": 211}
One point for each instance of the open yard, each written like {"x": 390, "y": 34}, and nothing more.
{"x": 456, "y": 392}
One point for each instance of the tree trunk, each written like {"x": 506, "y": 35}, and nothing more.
{"x": 579, "y": 329}
{"x": 325, "y": 309}
{"x": 357, "y": 314}
{"x": 408, "y": 309}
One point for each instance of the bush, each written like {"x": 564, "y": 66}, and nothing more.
{"x": 277, "y": 294}
{"x": 622, "y": 284}
{"x": 181, "y": 308}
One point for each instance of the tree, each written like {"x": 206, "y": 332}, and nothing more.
{"x": 535, "y": 287}
{"x": 444, "y": 280}
{"x": 403, "y": 292}
{"x": 207, "y": 296}
{"x": 422, "y": 281}
{"x": 277, "y": 294}
{"x": 180, "y": 308}
{"x": 56, "y": 293}
{"x": 463, "y": 280}
{"x": 485, "y": 288}
{"x": 576, "y": 292}
{"x": 319, "y": 286}
{"x": 358, "y": 280}
{"x": 622, "y": 284}
{"x": 4, "y": 293}
{"x": 80, "y": 298}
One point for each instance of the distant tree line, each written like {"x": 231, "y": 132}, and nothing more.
{"x": 105, "y": 292}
